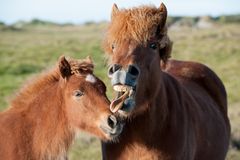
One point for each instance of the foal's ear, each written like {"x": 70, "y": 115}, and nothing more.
{"x": 64, "y": 67}
{"x": 89, "y": 59}
{"x": 114, "y": 10}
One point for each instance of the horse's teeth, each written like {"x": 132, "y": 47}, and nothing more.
{"x": 121, "y": 88}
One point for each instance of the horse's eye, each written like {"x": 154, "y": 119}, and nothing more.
{"x": 78, "y": 93}
{"x": 113, "y": 46}
{"x": 153, "y": 45}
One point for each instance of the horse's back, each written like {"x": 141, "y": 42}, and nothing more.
{"x": 209, "y": 106}
{"x": 201, "y": 75}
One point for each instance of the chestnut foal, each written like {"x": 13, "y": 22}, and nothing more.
{"x": 44, "y": 118}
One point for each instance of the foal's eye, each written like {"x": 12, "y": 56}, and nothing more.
{"x": 153, "y": 45}
{"x": 113, "y": 46}
{"x": 78, "y": 93}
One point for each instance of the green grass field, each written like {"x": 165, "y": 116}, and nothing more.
{"x": 30, "y": 50}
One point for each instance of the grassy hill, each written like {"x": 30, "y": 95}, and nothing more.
{"x": 34, "y": 48}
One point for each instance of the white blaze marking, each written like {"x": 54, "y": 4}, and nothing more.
{"x": 90, "y": 78}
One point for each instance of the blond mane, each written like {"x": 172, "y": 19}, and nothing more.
{"x": 138, "y": 24}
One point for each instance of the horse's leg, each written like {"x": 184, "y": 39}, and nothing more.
{"x": 103, "y": 146}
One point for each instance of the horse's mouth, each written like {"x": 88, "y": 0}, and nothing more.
{"x": 124, "y": 101}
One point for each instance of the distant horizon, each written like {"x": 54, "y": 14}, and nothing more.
{"x": 79, "y": 12}
{"x": 100, "y": 21}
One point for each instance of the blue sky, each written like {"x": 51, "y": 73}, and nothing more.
{"x": 79, "y": 11}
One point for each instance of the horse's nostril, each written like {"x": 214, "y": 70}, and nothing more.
{"x": 133, "y": 70}
{"x": 113, "y": 69}
{"x": 112, "y": 121}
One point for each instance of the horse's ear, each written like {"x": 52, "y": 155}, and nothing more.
{"x": 161, "y": 33}
{"x": 64, "y": 67}
{"x": 89, "y": 59}
{"x": 163, "y": 12}
{"x": 161, "y": 24}
{"x": 114, "y": 10}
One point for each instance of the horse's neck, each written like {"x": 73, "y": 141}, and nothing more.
{"x": 151, "y": 129}
{"x": 50, "y": 135}
{"x": 169, "y": 101}
{"x": 45, "y": 106}
{"x": 159, "y": 110}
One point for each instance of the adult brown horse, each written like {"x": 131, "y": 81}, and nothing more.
{"x": 43, "y": 120}
{"x": 175, "y": 110}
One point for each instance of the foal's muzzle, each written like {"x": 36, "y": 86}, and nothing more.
{"x": 111, "y": 126}
{"x": 124, "y": 82}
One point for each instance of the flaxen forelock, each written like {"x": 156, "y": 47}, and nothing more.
{"x": 138, "y": 24}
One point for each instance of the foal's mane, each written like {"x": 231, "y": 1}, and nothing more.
{"x": 48, "y": 78}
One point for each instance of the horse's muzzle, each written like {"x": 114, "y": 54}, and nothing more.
{"x": 124, "y": 82}
{"x": 112, "y": 127}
